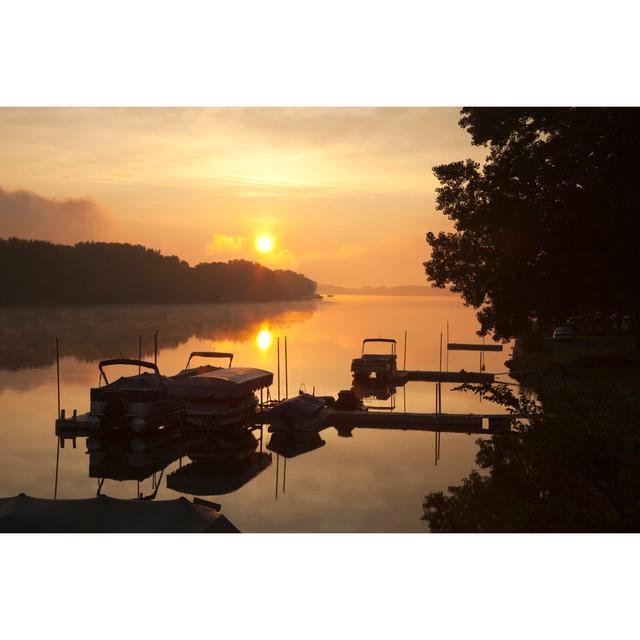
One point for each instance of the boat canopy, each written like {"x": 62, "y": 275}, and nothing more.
{"x": 24, "y": 514}
{"x": 299, "y": 408}
{"x": 234, "y": 382}
{"x": 136, "y": 387}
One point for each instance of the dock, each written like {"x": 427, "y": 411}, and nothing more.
{"x": 402, "y": 377}
{"x": 71, "y": 428}
{"x": 461, "y": 346}
{"x": 440, "y": 422}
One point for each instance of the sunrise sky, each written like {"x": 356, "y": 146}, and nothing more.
{"x": 342, "y": 195}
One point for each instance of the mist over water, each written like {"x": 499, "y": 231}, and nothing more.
{"x": 373, "y": 481}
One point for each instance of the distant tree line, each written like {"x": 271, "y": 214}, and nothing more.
{"x": 35, "y": 272}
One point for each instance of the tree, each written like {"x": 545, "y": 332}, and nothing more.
{"x": 41, "y": 273}
{"x": 549, "y": 225}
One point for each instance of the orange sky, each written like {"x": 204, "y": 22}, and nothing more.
{"x": 346, "y": 194}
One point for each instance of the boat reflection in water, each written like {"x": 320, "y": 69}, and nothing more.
{"x": 292, "y": 445}
{"x": 218, "y": 463}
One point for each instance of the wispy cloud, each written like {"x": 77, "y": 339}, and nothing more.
{"x": 224, "y": 244}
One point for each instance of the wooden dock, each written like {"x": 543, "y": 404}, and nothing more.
{"x": 441, "y": 422}
{"x": 71, "y": 428}
{"x": 402, "y": 377}
{"x": 460, "y": 346}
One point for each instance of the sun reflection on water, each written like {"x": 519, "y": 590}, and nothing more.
{"x": 264, "y": 339}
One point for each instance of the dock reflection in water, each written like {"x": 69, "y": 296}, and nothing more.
{"x": 375, "y": 480}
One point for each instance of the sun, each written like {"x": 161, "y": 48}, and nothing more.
{"x": 264, "y": 243}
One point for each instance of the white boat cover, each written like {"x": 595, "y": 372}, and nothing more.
{"x": 233, "y": 382}
{"x": 24, "y": 514}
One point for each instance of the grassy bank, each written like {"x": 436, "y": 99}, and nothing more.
{"x": 587, "y": 361}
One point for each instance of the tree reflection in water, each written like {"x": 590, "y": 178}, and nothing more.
{"x": 91, "y": 333}
{"x": 572, "y": 468}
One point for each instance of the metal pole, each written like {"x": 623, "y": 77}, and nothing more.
{"x": 58, "y": 371}
{"x": 439, "y": 391}
{"x": 277, "y": 472}
{"x": 447, "y": 345}
{"x": 278, "y": 367}
{"x": 404, "y": 362}
{"x": 155, "y": 347}
{"x": 55, "y": 486}
{"x": 286, "y": 372}
{"x": 284, "y": 477}
{"x": 139, "y": 350}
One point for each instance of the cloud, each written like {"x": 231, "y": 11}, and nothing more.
{"x": 280, "y": 259}
{"x": 224, "y": 244}
{"x": 25, "y": 214}
{"x": 226, "y": 247}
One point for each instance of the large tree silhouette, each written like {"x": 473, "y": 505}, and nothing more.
{"x": 549, "y": 225}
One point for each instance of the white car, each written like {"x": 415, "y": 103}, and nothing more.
{"x": 563, "y": 334}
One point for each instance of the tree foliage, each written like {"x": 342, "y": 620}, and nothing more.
{"x": 42, "y": 273}
{"x": 548, "y": 226}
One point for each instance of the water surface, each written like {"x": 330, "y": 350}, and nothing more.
{"x": 373, "y": 481}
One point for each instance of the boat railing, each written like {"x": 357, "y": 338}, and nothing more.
{"x": 210, "y": 354}
{"x": 128, "y": 362}
{"x": 390, "y": 341}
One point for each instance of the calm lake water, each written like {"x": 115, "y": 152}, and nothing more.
{"x": 373, "y": 481}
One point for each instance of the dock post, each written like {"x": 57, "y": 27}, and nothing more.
{"x": 286, "y": 370}
{"x": 58, "y": 371}
{"x": 447, "y": 345}
{"x": 55, "y": 486}
{"x": 278, "y": 342}
{"x": 404, "y": 362}
{"x": 439, "y": 385}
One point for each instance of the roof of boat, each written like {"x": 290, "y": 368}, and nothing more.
{"x": 299, "y": 407}
{"x": 141, "y": 382}
{"x": 221, "y": 383}
{"x": 23, "y": 513}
